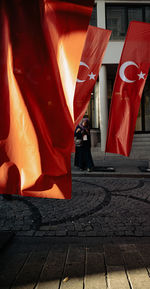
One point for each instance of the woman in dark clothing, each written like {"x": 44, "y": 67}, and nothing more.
{"x": 83, "y": 157}
{"x": 87, "y": 157}
{"x": 78, "y": 147}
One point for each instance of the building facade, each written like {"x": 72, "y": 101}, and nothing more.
{"x": 116, "y": 16}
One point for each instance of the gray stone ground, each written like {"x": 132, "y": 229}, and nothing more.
{"x": 98, "y": 239}
{"x": 99, "y": 207}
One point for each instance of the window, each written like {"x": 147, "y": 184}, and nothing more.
{"x": 93, "y": 20}
{"x": 147, "y": 14}
{"x": 116, "y": 21}
{"x": 118, "y": 18}
{"x": 135, "y": 13}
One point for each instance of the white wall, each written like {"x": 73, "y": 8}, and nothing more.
{"x": 113, "y": 52}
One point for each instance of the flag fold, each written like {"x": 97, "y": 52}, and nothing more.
{"x": 39, "y": 41}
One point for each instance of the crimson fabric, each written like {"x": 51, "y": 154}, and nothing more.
{"x": 129, "y": 83}
{"x": 91, "y": 60}
{"x": 36, "y": 124}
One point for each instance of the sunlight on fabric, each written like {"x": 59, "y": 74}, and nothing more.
{"x": 22, "y": 178}
{"x": 53, "y": 192}
{"x": 66, "y": 77}
{"x": 21, "y": 144}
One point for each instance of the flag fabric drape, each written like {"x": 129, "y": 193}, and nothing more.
{"x": 39, "y": 40}
{"x": 129, "y": 83}
{"x": 91, "y": 60}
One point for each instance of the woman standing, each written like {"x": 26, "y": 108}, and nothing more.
{"x": 78, "y": 147}
{"x": 83, "y": 157}
{"x": 87, "y": 156}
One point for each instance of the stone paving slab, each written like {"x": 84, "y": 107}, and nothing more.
{"x": 70, "y": 263}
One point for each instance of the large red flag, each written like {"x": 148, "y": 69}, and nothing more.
{"x": 39, "y": 40}
{"x": 91, "y": 60}
{"x": 129, "y": 83}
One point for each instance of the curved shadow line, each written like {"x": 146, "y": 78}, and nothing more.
{"x": 106, "y": 201}
{"x": 132, "y": 197}
{"x": 37, "y": 218}
{"x": 138, "y": 186}
{"x": 35, "y": 213}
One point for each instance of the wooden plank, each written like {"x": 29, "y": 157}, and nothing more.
{"x": 116, "y": 275}
{"x": 76, "y": 254}
{"x": 128, "y": 248}
{"x": 53, "y": 269}
{"x": 10, "y": 264}
{"x": 113, "y": 255}
{"x": 30, "y": 272}
{"x": 5, "y": 237}
{"x": 74, "y": 269}
{"x": 144, "y": 251}
{"x": 95, "y": 270}
{"x": 116, "y": 278}
{"x": 137, "y": 273}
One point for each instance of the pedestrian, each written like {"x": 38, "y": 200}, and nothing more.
{"x": 87, "y": 156}
{"x": 83, "y": 157}
{"x": 79, "y": 147}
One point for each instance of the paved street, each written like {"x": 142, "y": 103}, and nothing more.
{"x": 98, "y": 239}
{"x": 99, "y": 207}
{"x": 61, "y": 263}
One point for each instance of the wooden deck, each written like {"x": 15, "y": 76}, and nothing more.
{"x": 40, "y": 263}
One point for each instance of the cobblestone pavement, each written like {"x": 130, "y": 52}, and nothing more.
{"x": 99, "y": 207}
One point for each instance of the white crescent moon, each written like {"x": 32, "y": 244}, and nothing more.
{"x": 122, "y": 71}
{"x": 82, "y": 64}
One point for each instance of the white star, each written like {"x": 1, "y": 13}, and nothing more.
{"x": 92, "y": 76}
{"x": 141, "y": 75}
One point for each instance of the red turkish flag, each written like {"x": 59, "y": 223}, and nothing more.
{"x": 91, "y": 60}
{"x": 39, "y": 41}
{"x": 129, "y": 83}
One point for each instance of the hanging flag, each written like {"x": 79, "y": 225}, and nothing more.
{"x": 129, "y": 83}
{"x": 72, "y": 16}
{"x": 39, "y": 40}
{"x": 91, "y": 60}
